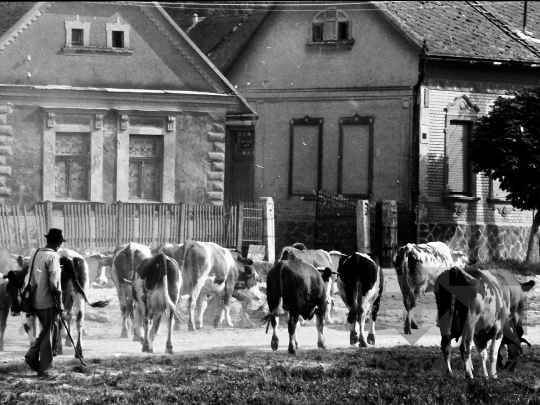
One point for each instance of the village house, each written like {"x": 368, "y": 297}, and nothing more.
{"x": 377, "y": 101}
{"x": 106, "y": 102}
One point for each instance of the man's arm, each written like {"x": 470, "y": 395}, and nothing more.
{"x": 55, "y": 274}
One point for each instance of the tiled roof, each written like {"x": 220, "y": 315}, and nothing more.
{"x": 222, "y": 37}
{"x": 11, "y": 12}
{"x": 469, "y": 29}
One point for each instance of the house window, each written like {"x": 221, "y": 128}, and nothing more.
{"x": 331, "y": 25}
{"x": 305, "y": 175}
{"x": 118, "y": 39}
{"x": 77, "y": 37}
{"x": 145, "y": 167}
{"x": 71, "y": 165}
{"x": 460, "y": 118}
{"x": 117, "y": 34}
{"x": 496, "y": 192}
{"x": 355, "y": 176}
{"x": 458, "y": 167}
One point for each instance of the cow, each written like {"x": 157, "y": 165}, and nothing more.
{"x": 75, "y": 284}
{"x": 125, "y": 260}
{"x": 482, "y": 306}
{"x": 303, "y": 290}
{"x": 317, "y": 258}
{"x": 98, "y": 264}
{"x": 156, "y": 288}
{"x": 360, "y": 285}
{"x": 209, "y": 269}
{"x": 417, "y": 268}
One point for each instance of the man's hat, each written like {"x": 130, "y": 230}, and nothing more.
{"x": 55, "y": 236}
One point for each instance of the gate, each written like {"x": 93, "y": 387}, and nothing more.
{"x": 335, "y": 223}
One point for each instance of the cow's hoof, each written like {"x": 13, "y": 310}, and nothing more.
{"x": 176, "y": 327}
{"x": 354, "y": 339}
{"x": 362, "y": 343}
{"x": 274, "y": 344}
{"x": 136, "y": 338}
{"x": 124, "y": 334}
{"x": 68, "y": 343}
{"x": 79, "y": 356}
{"x": 292, "y": 349}
{"x": 407, "y": 331}
{"x": 169, "y": 350}
{"x": 191, "y": 328}
{"x": 321, "y": 345}
{"x": 1, "y": 348}
{"x": 371, "y": 339}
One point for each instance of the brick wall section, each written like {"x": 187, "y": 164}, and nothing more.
{"x": 216, "y": 172}
{"x": 5, "y": 151}
{"x": 484, "y": 228}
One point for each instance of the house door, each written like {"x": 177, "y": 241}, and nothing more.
{"x": 239, "y": 169}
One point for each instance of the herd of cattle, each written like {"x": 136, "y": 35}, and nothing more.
{"x": 473, "y": 305}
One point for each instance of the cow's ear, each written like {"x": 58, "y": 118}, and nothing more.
{"x": 5, "y": 276}
{"x": 244, "y": 260}
{"x": 20, "y": 261}
{"x": 326, "y": 274}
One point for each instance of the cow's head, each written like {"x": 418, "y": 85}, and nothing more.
{"x": 248, "y": 278}
{"x": 15, "y": 284}
{"x": 460, "y": 259}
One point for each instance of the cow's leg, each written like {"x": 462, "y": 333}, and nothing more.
{"x": 446, "y": 347}
{"x": 156, "y": 322}
{"x": 362, "y": 319}
{"x": 245, "y": 317}
{"x": 320, "y": 330}
{"x": 354, "y": 331}
{"x": 169, "y": 346}
{"x": 122, "y": 298}
{"x": 3, "y": 324}
{"x": 138, "y": 320}
{"x": 226, "y": 307}
{"x": 274, "y": 321}
{"x": 493, "y": 353}
{"x": 79, "y": 307}
{"x": 374, "y": 313}
{"x": 202, "y": 304}
{"x": 195, "y": 301}
{"x": 465, "y": 349}
{"x": 293, "y": 343}
{"x": 481, "y": 348}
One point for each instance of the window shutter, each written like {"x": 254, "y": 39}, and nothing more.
{"x": 457, "y": 141}
{"x": 355, "y": 176}
{"x": 305, "y": 159}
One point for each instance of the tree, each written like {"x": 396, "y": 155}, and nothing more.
{"x": 506, "y": 146}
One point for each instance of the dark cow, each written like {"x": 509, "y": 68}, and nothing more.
{"x": 156, "y": 288}
{"x": 360, "y": 285}
{"x": 479, "y": 306}
{"x": 417, "y": 268}
{"x": 10, "y": 298}
{"x": 125, "y": 260}
{"x": 75, "y": 285}
{"x": 317, "y": 258}
{"x": 209, "y": 269}
{"x": 303, "y": 291}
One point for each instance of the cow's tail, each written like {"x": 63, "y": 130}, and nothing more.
{"x": 408, "y": 270}
{"x": 77, "y": 285}
{"x": 268, "y": 318}
{"x": 170, "y": 303}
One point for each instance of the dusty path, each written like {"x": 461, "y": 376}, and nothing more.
{"x": 103, "y": 338}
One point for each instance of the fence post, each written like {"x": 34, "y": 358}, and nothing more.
{"x": 389, "y": 231}
{"x": 362, "y": 226}
{"x": 119, "y": 222}
{"x": 48, "y": 215}
{"x": 240, "y": 226}
{"x": 269, "y": 234}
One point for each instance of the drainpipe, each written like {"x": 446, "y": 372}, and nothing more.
{"x": 525, "y": 18}
{"x": 415, "y": 189}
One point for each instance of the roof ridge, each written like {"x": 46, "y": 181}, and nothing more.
{"x": 494, "y": 17}
{"x": 23, "y": 23}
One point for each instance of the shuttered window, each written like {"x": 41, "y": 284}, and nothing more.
{"x": 355, "y": 156}
{"x": 458, "y": 169}
{"x": 145, "y": 167}
{"x": 331, "y": 25}
{"x": 305, "y": 156}
{"x": 71, "y": 165}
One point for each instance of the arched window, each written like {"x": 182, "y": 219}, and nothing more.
{"x": 331, "y": 25}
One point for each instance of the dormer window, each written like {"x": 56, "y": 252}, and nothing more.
{"x": 331, "y": 25}
{"x": 117, "y": 35}
{"x": 77, "y": 33}
{"x": 118, "y": 39}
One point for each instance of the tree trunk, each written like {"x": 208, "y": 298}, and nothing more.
{"x": 534, "y": 229}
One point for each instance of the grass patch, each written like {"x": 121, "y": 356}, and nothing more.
{"x": 400, "y": 375}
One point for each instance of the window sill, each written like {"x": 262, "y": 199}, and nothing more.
{"x": 460, "y": 198}
{"x": 95, "y": 50}
{"x": 498, "y": 201}
{"x": 345, "y": 44}
{"x": 303, "y": 197}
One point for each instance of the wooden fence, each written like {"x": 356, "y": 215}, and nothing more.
{"x": 95, "y": 226}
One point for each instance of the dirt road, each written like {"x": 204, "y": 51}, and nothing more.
{"x": 103, "y": 336}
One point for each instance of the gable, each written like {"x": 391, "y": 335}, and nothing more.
{"x": 158, "y": 58}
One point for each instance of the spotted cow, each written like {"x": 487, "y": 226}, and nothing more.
{"x": 156, "y": 288}
{"x": 75, "y": 285}
{"x": 417, "y": 268}
{"x": 10, "y": 298}
{"x": 125, "y": 260}
{"x": 317, "y": 258}
{"x": 303, "y": 290}
{"x": 481, "y": 307}
{"x": 360, "y": 285}
{"x": 209, "y": 269}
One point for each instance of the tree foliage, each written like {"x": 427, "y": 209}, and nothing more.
{"x": 506, "y": 144}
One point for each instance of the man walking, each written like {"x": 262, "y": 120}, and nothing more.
{"x": 44, "y": 276}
